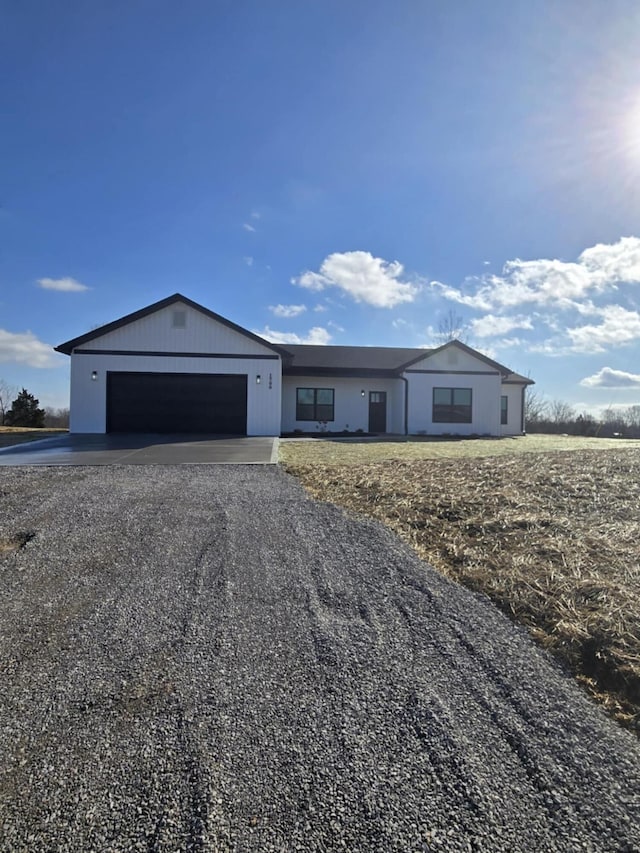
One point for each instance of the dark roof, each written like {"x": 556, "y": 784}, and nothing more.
{"x": 507, "y": 375}
{"x": 69, "y": 346}
{"x": 318, "y": 360}
{"x": 308, "y": 359}
{"x": 517, "y": 379}
{"x": 345, "y": 360}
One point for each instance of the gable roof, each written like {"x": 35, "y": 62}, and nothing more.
{"x": 507, "y": 374}
{"x": 309, "y": 359}
{"x": 317, "y": 360}
{"x": 338, "y": 360}
{"x": 68, "y": 347}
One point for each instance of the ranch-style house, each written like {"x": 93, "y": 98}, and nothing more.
{"x": 176, "y": 366}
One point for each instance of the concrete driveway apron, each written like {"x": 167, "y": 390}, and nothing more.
{"x": 143, "y": 450}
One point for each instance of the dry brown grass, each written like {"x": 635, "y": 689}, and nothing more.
{"x": 553, "y": 538}
{"x": 18, "y": 435}
{"x": 341, "y": 451}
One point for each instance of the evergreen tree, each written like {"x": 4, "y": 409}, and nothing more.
{"x": 24, "y": 411}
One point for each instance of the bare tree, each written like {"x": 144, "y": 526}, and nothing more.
{"x": 613, "y": 421}
{"x": 561, "y": 412}
{"x": 7, "y": 395}
{"x": 452, "y": 327}
{"x": 585, "y": 424}
{"x": 56, "y": 418}
{"x": 535, "y": 406}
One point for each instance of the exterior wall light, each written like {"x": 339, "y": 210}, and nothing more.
{"x": 362, "y": 393}
{"x": 94, "y": 375}
{"x": 258, "y": 379}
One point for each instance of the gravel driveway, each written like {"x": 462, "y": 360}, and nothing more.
{"x": 202, "y": 658}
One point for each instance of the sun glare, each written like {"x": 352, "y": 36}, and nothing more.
{"x": 631, "y": 131}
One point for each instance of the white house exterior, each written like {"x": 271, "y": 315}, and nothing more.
{"x": 175, "y": 366}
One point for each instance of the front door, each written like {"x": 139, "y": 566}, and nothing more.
{"x": 377, "y": 411}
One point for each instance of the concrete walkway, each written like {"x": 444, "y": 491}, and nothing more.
{"x": 143, "y": 450}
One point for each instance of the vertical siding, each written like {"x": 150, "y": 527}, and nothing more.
{"x": 451, "y": 359}
{"x": 351, "y": 408}
{"x": 89, "y": 397}
{"x": 514, "y": 410}
{"x": 485, "y": 407}
{"x": 200, "y": 334}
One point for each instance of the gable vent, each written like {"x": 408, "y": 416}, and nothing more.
{"x": 179, "y": 320}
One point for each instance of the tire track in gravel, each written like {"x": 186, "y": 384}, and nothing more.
{"x": 254, "y": 671}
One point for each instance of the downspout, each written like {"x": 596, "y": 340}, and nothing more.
{"x": 522, "y": 398}
{"x": 406, "y": 404}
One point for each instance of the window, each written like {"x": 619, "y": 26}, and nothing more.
{"x": 504, "y": 410}
{"x": 451, "y": 406}
{"x": 314, "y": 404}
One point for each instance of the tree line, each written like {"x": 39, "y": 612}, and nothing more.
{"x": 22, "y": 409}
{"x": 557, "y": 416}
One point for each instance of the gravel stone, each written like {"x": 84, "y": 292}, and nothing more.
{"x": 202, "y": 658}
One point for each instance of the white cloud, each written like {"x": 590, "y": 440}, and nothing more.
{"x": 490, "y": 324}
{"x": 364, "y": 277}
{"x": 399, "y": 323}
{"x": 316, "y": 335}
{"x": 490, "y": 352}
{"x": 509, "y": 343}
{"x": 335, "y": 326}
{"x": 552, "y": 281}
{"x": 255, "y": 214}
{"x": 66, "y": 285}
{"x": 616, "y": 262}
{"x": 287, "y": 310}
{"x": 551, "y": 347}
{"x": 248, "y": 227}
{"x": 320, "y": 309}
{"x": 25, "y": 348}
{"x": 610, "y": 378}
{"x": 248, "y": 260}
{"x": 619, "y": 326}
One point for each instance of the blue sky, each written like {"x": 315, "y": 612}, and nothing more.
{"x": 334, "y": 172}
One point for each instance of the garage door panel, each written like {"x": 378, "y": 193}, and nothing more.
{"x": 177, "y": 402}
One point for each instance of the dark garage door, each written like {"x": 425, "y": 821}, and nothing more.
{"x": 177, "y": 402}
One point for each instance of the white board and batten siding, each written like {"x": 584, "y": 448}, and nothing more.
{"x": 351, "y": 406}
{"x": 514, "y": 394}
{"x": 199, "y": 334}
{"x": 454, "y": 368}
{"x": 189, "y": 347}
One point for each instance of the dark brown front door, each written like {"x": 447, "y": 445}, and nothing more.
{"x": 377, "y": 411}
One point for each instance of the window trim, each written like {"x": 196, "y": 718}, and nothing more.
{"x": 316, "y": 405}
{"x": 438, "y": 418}
{"x": 504, "y": 409}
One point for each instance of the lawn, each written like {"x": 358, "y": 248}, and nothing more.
{"x": 550, "y": 531}
{"x": 18, "y": 435}
{"x": 348, "y": 451}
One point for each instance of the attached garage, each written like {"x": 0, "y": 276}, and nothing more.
{"x": 174, "y": 367}
{"x": 177, "y": 367}
{"x": 177, "y": 403}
